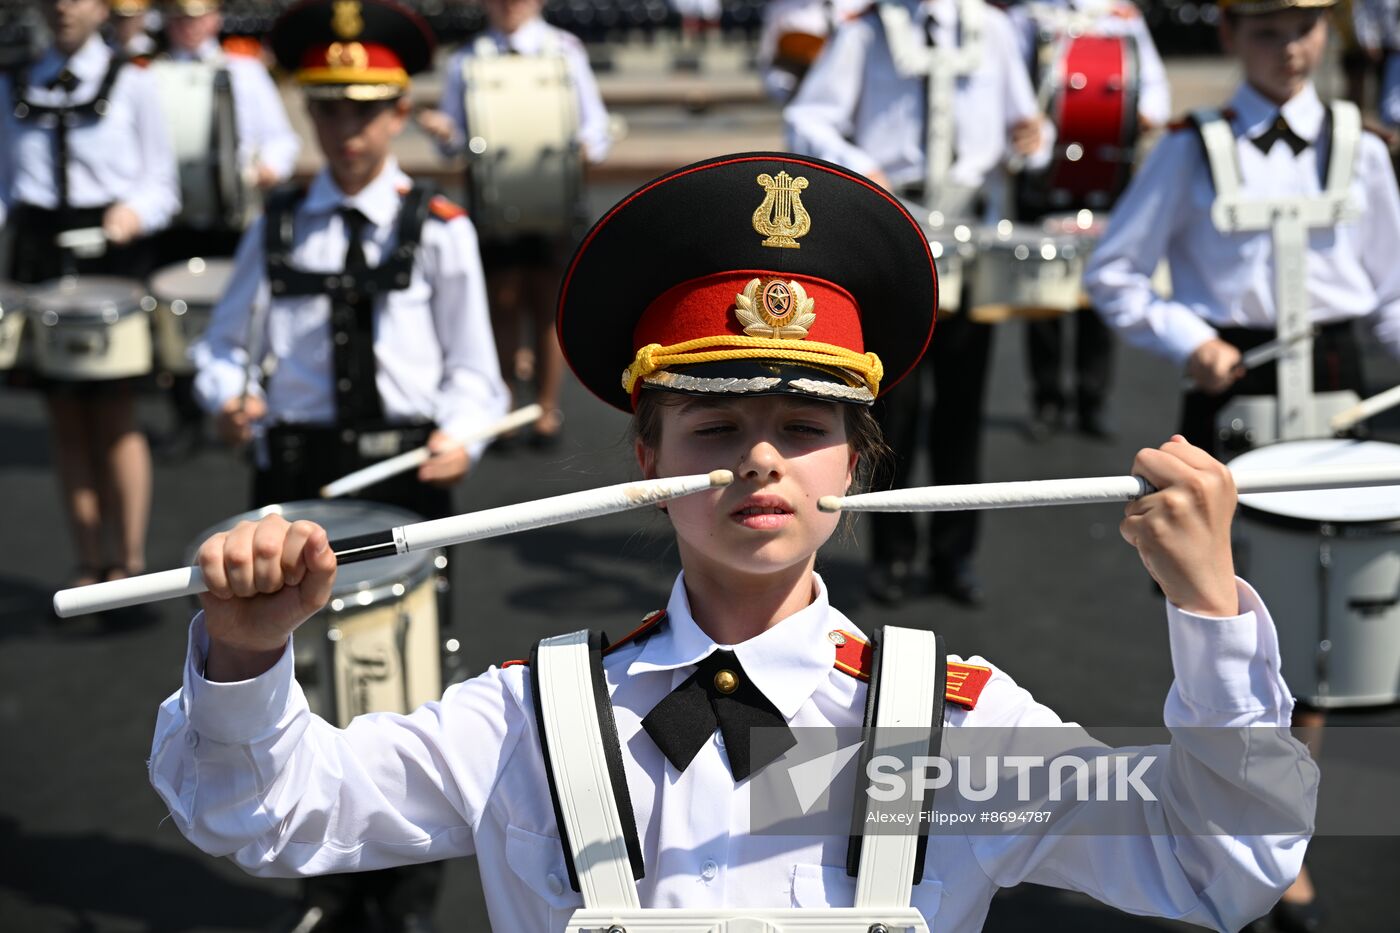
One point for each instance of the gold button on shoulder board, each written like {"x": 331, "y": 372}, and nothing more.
{"x": 837, "y": 638}
{"x": 726, "y": 682}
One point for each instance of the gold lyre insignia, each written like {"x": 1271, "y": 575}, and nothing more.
{"x": 347, "y": 55}
{"x": 776, "y": 309}
{"x": 346, "y": 19}
{"x": 781, "y": 217}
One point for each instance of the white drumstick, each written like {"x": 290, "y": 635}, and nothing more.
{"x": 85, "y": 241}
{"x": 1264, "y": 353}
{"x": 1097, "y": 489}
{"x": 354, "y": 482}
{"x": 1346, "y": 420}
{"x": 458, "y": 529}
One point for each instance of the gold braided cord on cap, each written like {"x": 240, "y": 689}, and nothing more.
{"x": 654, "y": 356}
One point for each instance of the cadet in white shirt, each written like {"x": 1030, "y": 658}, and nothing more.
{"x": 857, "y": 110}
{"x": 1039, "y": 22}
{"x": 84, "y": 146}
{"x": 736, "y": 351}
{"x": 523, "y": 271}
{"x": 1223, "y": 298}
{"x": 131, "y": 33}
{"x": 794, "y": 33}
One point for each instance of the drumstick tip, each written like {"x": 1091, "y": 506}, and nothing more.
{"x": 829, "y": 503}
{"x": 721, "y": 478}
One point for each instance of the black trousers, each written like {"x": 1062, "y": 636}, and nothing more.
{"x": 951, "y": 427}
{"x": 1093, "y": 360}
{"x": 1336, "y": 368}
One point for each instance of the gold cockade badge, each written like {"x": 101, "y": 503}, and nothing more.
{"x": 775, "y": 309}
{"x": 346, "y": 19}
{"x": 347, "y": 55}
{"x": 781, "y": 217}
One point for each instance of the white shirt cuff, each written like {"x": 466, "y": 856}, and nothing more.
{"x": 238, "y": 712}
{"x": 1228, "y": 664}
{"x": 1184, "y": 333}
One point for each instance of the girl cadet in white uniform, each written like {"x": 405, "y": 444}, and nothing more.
{"x": 676, "y": 321}
{"x": 108, "y": 164}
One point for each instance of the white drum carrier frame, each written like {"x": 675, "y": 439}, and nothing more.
{"x": 943, "y": 67}
{"x": 1289, "y": 220}
{"x": 584, "y": 763}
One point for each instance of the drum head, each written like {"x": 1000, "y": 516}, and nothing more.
{"x": 1365, "y": 504}
{"x": 196, "y": 281}
{"x": 87, "y": 298}
{"x": 342, "y": 518}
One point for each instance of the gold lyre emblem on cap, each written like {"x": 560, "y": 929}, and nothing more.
{"x": 347, "y": 55}
{"x": 781, "y": 217}
{"x": 346, "y": 20}
{"x": 775, "y": 308}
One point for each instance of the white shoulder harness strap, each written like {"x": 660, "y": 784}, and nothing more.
{"x": 584, "y": 765}
{"x": 1289, "y": 221}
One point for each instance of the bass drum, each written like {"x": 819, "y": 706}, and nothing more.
{"x": 374, "y": 648}
{"x": 91, "y": 328}
{"x": 197, "y": 100}
{"x": 525, "y": 169}
{"x": 186, "y": 293}
{"x": 1327, "y": 563}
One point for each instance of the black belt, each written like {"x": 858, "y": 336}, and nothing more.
{"x": 303, "y": 457}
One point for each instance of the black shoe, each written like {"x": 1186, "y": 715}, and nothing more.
{"x": 958, "y": 583}
{"x": 1294, "y": 917}
{"x": 888, "y": 584}
{"x": 1092, "y": 424}
{"x": 1046, "y": 419}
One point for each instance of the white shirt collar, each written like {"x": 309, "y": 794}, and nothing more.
{"x": 208, "y": 51}
{"x": 379, "y": 200}
{"x": 786, "y": 662}
{"x": 89, "y": 63}
{"x": 1254, "y": 112}
{"x": 527, "y": 39}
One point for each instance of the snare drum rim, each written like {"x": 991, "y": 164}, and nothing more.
{"x": 43, "y": 308}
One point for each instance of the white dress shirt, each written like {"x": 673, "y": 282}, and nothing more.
{"x": 855, "y": 109}
{"x": 264, "y": 132}
{"x": 535, "y": 38}
{"x": 249, "y": 773}
{"x": 1110, "y": 18}
{"x": 810, "y": 17}
{"x": 124, "y": 157}
{"x": 1227, "y": 280}
{"x": 432, "y": 341}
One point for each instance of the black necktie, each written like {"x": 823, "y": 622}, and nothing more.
{"x": 718, "y": 695}
{"x": 1279, "y": 130}
{"x": 68, "y": 83}
{"x": 352, "y": 326}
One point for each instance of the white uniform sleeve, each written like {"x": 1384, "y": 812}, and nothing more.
{"x": 156, "y": 197}
{"x": 221, "y": 354}
{"x": 1119, "y": 275}
{"x": 1379, "y": 239}
{"x": 594, "y": 132}
{"x": 1154, "y": 90}
{"x": 472, "y": 394}
{"x": 248, "y": 772}
{"x": 453, "y": 104}
{"x": 268, "y": 134}
{"x": 1389, "y": 104}
{"x": 1018, "y": 94}
{"x": 821, "y": 118}
{"x": 1227, "y": 678}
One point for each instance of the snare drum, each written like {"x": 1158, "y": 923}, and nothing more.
{"x": 1026, "y": 272}
{"x": 90, "y": 328}
{"x": 1249, "y": 421}
{"x": 12, "y": 343}
{"x": 374, "y": 648}
{"x": 197, "y": 101}
{"x": 186, "y": 293}
{"x": 525, "y": 171}
{"x": 1327, "y": 563}
{"x": 953, "y": 244}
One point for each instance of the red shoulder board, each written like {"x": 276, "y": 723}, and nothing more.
{"x": 443, "y": 209}
{"x": 649, "y": 622}
{"x": 859, "y": 13}
{"x": 140, "y": 61}
{"x": 854, "y": 656}
{"x": 965, "y": 683}
{"x": 245, "y": 46}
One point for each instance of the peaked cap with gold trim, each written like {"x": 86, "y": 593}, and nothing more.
{"x": 352, "y": 49}
{"x": 1259, "y": 7}
{"x": 751, "y": 274}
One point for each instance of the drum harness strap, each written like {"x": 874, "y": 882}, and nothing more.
{"x": 1289, "y": 221}
{"x": 941, "y": 68}
{"x": 593, "y": 809}
{"x": 63, "y": 118}
{"x": 352, "y": 296}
